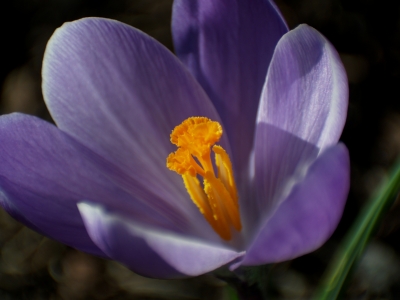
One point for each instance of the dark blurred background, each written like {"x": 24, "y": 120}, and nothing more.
{"x": 367, "y": 35}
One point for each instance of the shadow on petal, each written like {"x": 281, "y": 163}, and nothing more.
{"x": 309, "y": 215}
{"x": 280, "y": 160}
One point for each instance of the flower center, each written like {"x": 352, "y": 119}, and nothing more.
{"x": 217, "y": 197}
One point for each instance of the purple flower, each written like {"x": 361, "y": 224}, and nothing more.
{"x": 99, "y": 182}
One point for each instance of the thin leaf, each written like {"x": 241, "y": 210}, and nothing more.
{"x": 357, "y": 238}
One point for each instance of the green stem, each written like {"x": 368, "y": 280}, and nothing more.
{"x": 357, "y": 238}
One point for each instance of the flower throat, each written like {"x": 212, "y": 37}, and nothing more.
{"x": 217, "y": 197}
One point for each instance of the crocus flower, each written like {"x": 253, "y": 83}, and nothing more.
{"x": 273, "y": 102}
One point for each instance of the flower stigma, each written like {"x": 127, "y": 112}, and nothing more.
{"x": 217, "y": 197}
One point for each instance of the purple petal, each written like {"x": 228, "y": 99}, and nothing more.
{"x": 228, "y": 46}
{"x": 153, "y": 253}
{"x": 307, "y": 218}
{"x": 43, "y": 173}
{"x": 306, "y": 90}
{"x": 303, "y": 111}
{"x": 280, "y": 160}
{"x": 120, "y": 92}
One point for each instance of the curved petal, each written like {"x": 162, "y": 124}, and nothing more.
{"x": 228, "y": 45}
{"x": 280, "y": 161}
{"x": 43, "y": 172}
{"x": 307, "y": 218}
{"x": 120, "y": 93}
{"x": 306, "y": 90}
{"x": 148, "y": 252}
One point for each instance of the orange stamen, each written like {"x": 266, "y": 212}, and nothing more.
{"x": 217, "y": 199}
